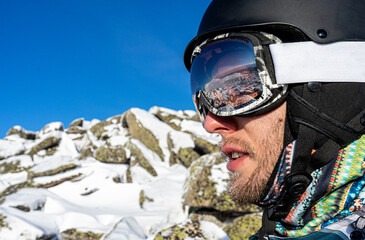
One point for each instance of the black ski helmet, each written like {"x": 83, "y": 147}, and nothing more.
{"x": 321, "y": 21}
{"x": 321, "y": 116}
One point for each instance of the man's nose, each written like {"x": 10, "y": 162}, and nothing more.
{"x": 219, "y": 124}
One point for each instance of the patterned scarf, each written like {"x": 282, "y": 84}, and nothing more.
{"x": 337, "y": 191}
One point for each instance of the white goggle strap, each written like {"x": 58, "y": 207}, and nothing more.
{"x": 311, "y": 62}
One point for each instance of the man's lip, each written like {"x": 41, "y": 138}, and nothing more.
{"x": 228, "y": 150}
{"x": 234, "y": 164}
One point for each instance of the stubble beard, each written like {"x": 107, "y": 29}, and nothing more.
{"x": 250, "y": 190}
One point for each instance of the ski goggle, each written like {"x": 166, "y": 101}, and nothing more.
{"x": 229, "y": 75}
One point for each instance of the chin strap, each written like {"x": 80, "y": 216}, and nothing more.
{"x": 311, "y": 123}
{"x": 299, "y": 179}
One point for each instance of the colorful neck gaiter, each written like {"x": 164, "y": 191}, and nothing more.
{"x": 283, "y": 170}
{"x": 337, "y": 191}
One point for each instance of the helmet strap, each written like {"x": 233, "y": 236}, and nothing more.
{"x": 299, "y": 179}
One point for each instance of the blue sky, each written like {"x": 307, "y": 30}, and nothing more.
{"x": 65, "y": 59}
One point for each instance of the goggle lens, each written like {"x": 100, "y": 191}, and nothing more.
{"x": 226, "y": 73}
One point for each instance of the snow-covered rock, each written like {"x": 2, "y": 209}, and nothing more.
{"x": 118, "y": 178}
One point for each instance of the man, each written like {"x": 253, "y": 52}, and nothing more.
{"x": 283, "y": 83}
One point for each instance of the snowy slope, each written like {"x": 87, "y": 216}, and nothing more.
{"x": 98, "y": 176}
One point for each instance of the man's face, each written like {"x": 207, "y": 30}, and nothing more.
{"x": 253, "y": 146}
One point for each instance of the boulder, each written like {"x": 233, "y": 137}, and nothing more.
{"x": 143, "y": 198}
{"x": 188, "y": 156}
{"x": 73, "y": 234}
{"x": 243, "y": 227}
{"x": 49, "y": 144}
{"x": 21, "y": 132}
{"x": 76, "y": 127}
{"x": 128, "y": 176}
{"x": 54, "y": 171}
{"x": 3, "y": 223}
{"x": 206, "y": 186}
{"x": 168, "y": 117}
{"x": 192, "y": 230}
{"x": 195, "y": 117}
{"x": 108, "y": 154}
{"x": 98, "y": 129}
{"x": 172, "y": 117}
{"x": 137, "y": 157}
{"x": 9, "y": 148}
{"x": 187, "y": 230}
{"x": 206, "y": 195}
{"x": 11, "y": 167}
{"x": 49, "y": 128}
{"x": 204, "y": 146}
{"x": 139, "y": 132}
{"x": 86, "y": 152}
{"x": 76, "y": 123}
{"x": 181, "y": 153}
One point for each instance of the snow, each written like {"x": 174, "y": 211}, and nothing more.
{"x": 32, "y": 198}
{"x": 88, "y": 197}
{"x": 69, "y": 205}
{"x": 93, "y": 139}
{"x": 67, "y": 146}
{"x": 166, "y": 111}
{"x": 197, "y": 130}
{"x": 181, "y": 140}
{"x": 50, "y": 128}
{"x": 9, "y": 179}
{"x": 212, "y": 231}
{"x": 118, "y": 140}
{"x": 10, "y": 148}
{"x": 190, "y": 113}
{"x": 50, "y": 162}
{"x": 159, "y": 129}
{"x": 44, "y": 136}
{"x": 90, "y": 124}
{"x": 126, "y": 229}
{"x": 220, "y": 176}
{"x": 23, "y": 160}
{"x": 26, "y": 228}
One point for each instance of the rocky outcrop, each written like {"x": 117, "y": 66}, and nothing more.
{"x": 204, "y": 191}
{"x": 137, "y": 158}
{"x": 206, "y": 195}
{"x": 135, "y": 148}
{"x": 115, "y": 154}
{"x": 204, "y": 146}
{"x": 139, "y": 132}
{"x": 243, "y": 227}
{"x": 182, "y": 231}
{"x": 21, "y": 132}
{"x": 170, "y": 118}
{"x": 191, "y": 229}
{"x": 49, "y": 145}
{"x": 73, "y": 234}
{"x": 98, "y": 129}
{"x": 50, "y": 128}
{"x": 76, "y": 127}
{"x": 184, "y": 155}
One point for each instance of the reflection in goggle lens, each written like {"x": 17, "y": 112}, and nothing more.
{"x": 227, "y": 74}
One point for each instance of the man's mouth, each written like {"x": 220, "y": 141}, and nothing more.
{"x": 232, "y": 154}
{"x": 235, "y": 157}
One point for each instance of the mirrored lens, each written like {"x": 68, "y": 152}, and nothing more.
{"x": 226, "y": 73}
